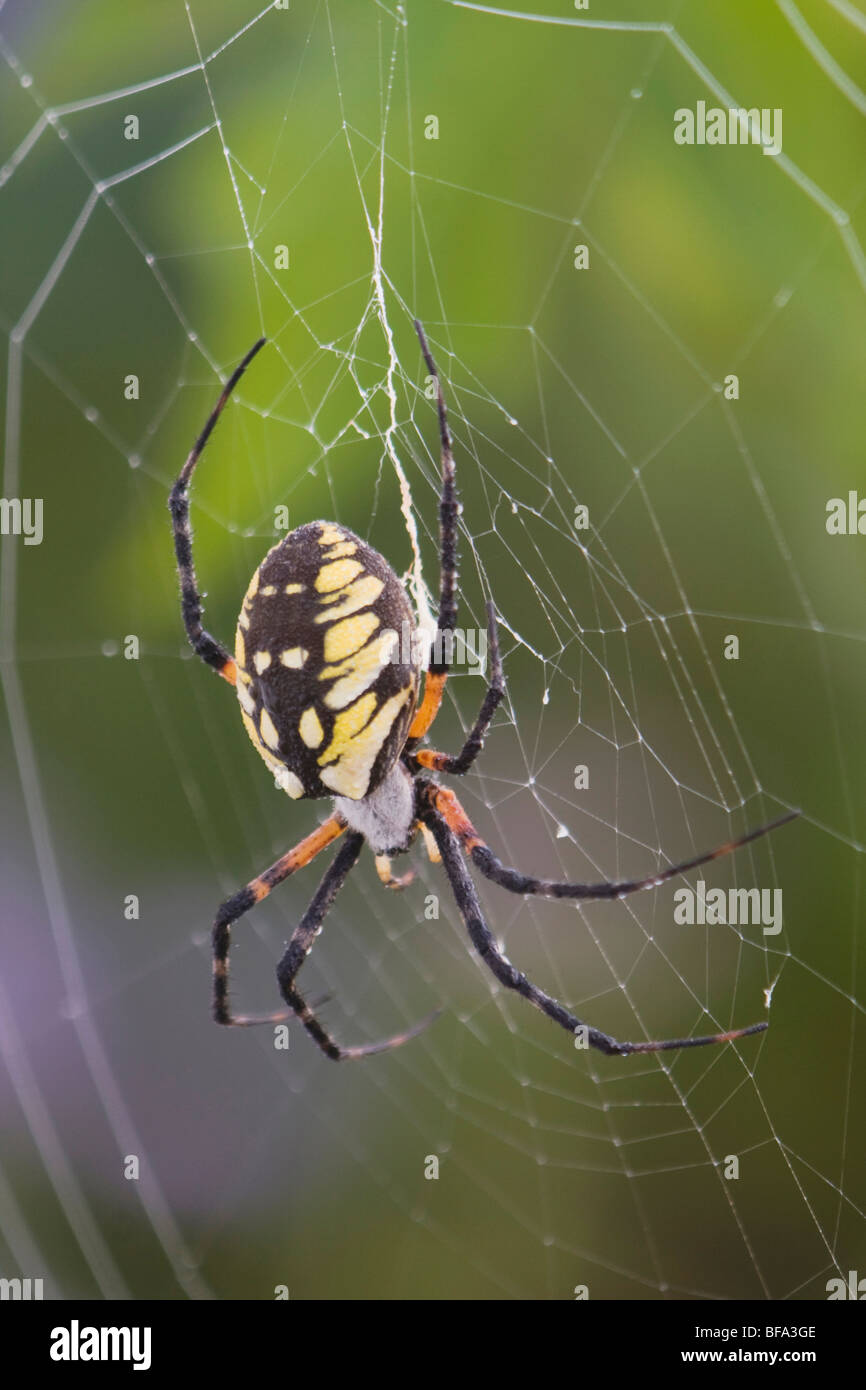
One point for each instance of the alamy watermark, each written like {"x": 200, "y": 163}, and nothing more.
{"x": 853, "y": 1287}
{"x": 733, "y": 125}
{"x": 77, "y": 1343}
{"x": 736, "y": 907}
{"x": 20, "y": 1290}
{"x": 458, "y": 647}
{"x": 22, "y": 516}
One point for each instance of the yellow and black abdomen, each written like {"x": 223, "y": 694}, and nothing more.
{"x": 327, "y": 671}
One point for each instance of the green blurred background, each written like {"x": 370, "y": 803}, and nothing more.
{"x": 156, "y": 257}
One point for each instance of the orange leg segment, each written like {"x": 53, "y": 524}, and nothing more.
{"x": 436, "y": 762}
{"x": 257, "y": 889}
{"x": 434, "y": 686}
{"x": 455, "y": 818}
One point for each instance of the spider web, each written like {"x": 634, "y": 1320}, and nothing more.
{"x": 309, "y": 135}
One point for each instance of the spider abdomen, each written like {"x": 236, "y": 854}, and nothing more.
{"x": 326, "y": 659}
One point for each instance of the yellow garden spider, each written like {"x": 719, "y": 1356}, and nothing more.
{"x": 329, "y": 699}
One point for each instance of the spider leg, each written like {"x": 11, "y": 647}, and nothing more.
{"x": 299, "y": 948}
{"x": 482, "y": 856}
{"x": 235, "y": 907}
{"x": 202, "y": 643}
{"x": 430, "y": 844}
{"x": 462, "y": 761}
{"x": 390, "y": 879}
{"x": 482, "y": 939}
{"x": 449, "y": 510}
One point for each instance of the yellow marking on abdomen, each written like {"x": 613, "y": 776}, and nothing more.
{"x": 344, "y": 548}
{"x": 246, "y": 700}
{"x": 294, "y": 657}
{"x": 252, "y": 588}
{"x": 262, "y": 661}
{"x": 240, "y": 648}
{"x": 382, "y": 646}
{"x": 288, "y": 781}
{"x": 337, "y": 574}
{"x": 269, "y": 730}
{"x": 294, "y": 589}
{"x": 310, "y": 728}
{"x": 350, "y": 775}
{"x": 347, "y": 726}
{"x": 358, "y": 595}
{"x": 346, "y": 637}
{"x": 269, "y": 590}
{"x": 330, "y": 535}
{"x": 358, "y": 673}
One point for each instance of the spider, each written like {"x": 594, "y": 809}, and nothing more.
{"x": 331, "y": 704}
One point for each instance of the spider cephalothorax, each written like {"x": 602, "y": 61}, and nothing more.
{"x": 328, "y": 686}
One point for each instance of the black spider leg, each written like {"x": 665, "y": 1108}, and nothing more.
{"x": 202, "y": 643}
{"x": 301, "y": 941}
{"x": 299, "y": 948}
{"x": 449, "y": 511}
{"x": 516, "y": 882}
{"x": 482, "y": 939}
{"x": 461, "y": 762}
{"x": 229, "y": 912}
